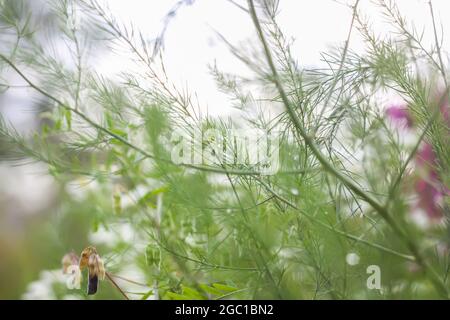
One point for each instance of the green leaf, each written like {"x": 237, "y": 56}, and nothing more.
{"x": 192, "y": 293}
{"x": 117, "y": 203}
{"x": 224, "y": 287}
{"x": 176, "y": 296}
{"x": 148, "y": 294}
{"x": 150, "y": 197}
{"x": 68, "y": 116}
{"x": 211, "y": 290}
{"x": 152, "y": 255}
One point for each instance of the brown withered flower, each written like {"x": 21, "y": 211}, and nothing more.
{"x": 72, "y": 270}
{"x": 70, "y": 259}
{"x": 96, "y": 269}
{"x": 90, "y": 259}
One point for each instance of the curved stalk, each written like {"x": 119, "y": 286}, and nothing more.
{"x": 327, "y": 166}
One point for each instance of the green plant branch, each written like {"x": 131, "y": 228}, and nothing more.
{"x": 333, "y": 229}
{"x": 341, "y": 65}
{"x": 438, "y": 47}
{"x": 440, "y": 287}
{"x": 203, "y": 263}
{"x": 126, "y": 142}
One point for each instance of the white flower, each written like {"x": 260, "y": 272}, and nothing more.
{"x": 42, "y": 289}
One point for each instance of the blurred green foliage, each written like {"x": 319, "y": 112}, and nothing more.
{"x": 220, "y": 230}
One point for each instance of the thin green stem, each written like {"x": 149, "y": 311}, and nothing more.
{"x": 129, "y": 144}
{"x": 440, "y": 287}
{"x": 331, "y": 228}
{"x": 438, "y": 47}
{"x": 341, "y": 65}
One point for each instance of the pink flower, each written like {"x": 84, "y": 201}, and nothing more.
{"x": 445, "y": 111}
{"x": 441, "y": 98}
{"x": 400, "y": 115}
{"x": 428, "y": 187}
{"x": 425, "y": 156}
{"x": 429, "y": 199}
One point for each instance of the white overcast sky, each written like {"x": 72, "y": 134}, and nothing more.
{"x": 191, "y": 43}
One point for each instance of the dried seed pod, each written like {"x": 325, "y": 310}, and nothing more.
{"x": 96, "y": 268}
{"x": 92, "y": 283}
